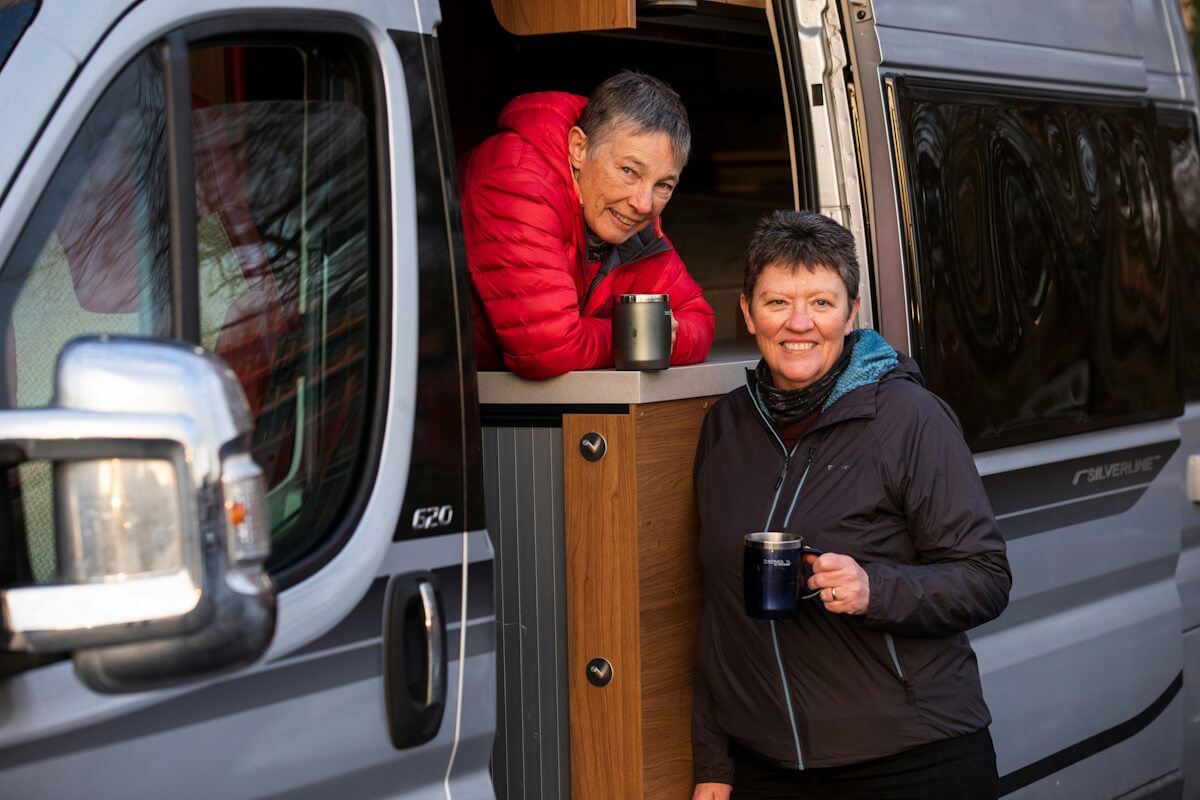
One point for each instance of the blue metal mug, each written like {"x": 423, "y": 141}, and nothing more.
{"x": 773, "y": 575}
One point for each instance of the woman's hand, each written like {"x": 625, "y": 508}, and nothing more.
{"x": 844, "y": 585}
{"x": 712, "y": 791}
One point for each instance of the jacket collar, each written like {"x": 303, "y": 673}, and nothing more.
{"x": 643, "y": 244}
{"x": 855, "y": 395}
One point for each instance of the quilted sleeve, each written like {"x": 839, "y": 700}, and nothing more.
{"x": 516, "y": 230}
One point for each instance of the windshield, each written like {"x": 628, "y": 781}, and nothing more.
{"x": 14, "y": 18}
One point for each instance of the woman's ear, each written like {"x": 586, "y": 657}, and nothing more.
{"x": 577, "y": 145}
{"x": 745, "y": 304}
{"x": 853, "y": 315}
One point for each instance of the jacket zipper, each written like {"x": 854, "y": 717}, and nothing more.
{"x": 909, "y": 694}
{"x": 787, "y": 695}
{"x": 787, "y": 462}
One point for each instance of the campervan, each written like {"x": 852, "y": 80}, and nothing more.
{"x": 267, "y": 531}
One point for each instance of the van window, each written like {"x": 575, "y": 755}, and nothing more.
{"x": 285, "y": 216}
{"x": 1038, "y": 269}
{"x": 1179, "y": 164}
{"x": 93, "y": 258}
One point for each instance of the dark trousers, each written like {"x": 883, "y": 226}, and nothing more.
{"x": 962, "y": 768}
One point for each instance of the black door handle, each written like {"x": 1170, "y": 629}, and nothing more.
{"x": 414, "y": 659}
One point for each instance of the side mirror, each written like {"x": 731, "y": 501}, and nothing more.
{"x": 162, "y": 525}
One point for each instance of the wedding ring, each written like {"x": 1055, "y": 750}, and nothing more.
{"x": 833, "y": 593}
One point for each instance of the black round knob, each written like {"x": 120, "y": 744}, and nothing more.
{"x": 599, "y": 672}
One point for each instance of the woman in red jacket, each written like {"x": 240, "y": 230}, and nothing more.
{"x": 561, "y": 212}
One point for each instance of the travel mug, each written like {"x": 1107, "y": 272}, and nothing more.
{"x": 773, "y": 574}
{"x": 641, "y": 331}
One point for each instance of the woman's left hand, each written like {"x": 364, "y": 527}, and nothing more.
{"x": 844, "y": 585}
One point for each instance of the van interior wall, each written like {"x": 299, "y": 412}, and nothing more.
{"x": 723, "y": 65}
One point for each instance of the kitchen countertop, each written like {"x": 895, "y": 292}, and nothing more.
{"x": 724, "y": 370}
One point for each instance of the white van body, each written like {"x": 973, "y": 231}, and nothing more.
{"x": 1092, "y": 673}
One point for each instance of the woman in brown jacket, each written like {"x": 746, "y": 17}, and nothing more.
{"x": 873, "y": 690}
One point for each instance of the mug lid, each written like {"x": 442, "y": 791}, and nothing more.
{"x": 641, "y": 298}
{"x": 774, "y": 540}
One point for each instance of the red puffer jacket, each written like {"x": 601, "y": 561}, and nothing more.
{"x": 527, "y": 254}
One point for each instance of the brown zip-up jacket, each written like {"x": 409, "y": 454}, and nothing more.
{"x": 883, "y": 476}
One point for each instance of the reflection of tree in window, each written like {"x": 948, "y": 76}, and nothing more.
{"x": 283, "y": 190}
{"x": 92, "y": 259}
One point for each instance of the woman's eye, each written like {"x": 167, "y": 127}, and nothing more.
{"x": 822, "y": 303}
{"x": 627, "y": 170}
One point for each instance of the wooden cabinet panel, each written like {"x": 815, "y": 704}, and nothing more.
{"x": 527, "y": 17}
{"x": 633, "y": 597}
{"x": 600, "y": 514}
{"x": 669, "y": 581}
{"x": 524, "y": 17}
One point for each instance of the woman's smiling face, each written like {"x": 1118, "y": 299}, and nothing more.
{"x": 800, "y": 321}
{"x": 624, "y": 181}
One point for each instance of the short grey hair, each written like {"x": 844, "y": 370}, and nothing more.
{"x": 792, "y": 240}
{"x": 641, "y": 103}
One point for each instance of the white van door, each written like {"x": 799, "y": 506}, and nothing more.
{"x": 269, "y": 186}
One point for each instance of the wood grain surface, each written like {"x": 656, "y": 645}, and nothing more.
{"x": 524, "y": 17}
{"x": 633, "y": 597}
{"x": 669, "y": 589}
{"x": 600, "y": 514}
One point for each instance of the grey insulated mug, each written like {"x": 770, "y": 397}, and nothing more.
{"x": 641, "y": 331}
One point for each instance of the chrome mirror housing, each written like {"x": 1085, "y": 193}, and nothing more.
{"x": 99, "y": 602}
{"x": 162, "y": 526}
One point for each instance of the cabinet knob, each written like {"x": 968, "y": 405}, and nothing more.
{"x": 599, "y": 672}
{"x": 593, "y": 446}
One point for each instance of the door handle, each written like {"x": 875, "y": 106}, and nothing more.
{"x": 414, "y": 659}
{"x": 1193, "y": 478}
{"x": 435, "y": 645}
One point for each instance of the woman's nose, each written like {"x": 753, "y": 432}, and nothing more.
{"x": 799, "y": 320}
{"x": 642, "y": 199}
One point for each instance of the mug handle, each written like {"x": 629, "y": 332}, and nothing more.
{"x": 806, "y": 550}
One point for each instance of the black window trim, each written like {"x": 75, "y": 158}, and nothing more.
{"x": 441, "y": 250}
{"x": 185, "y": 266}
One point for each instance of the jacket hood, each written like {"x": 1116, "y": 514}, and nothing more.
{"x": 543, "y": 119}
{"x": 870, "y": 359}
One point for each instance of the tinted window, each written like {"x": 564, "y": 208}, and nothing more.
{"x": 1039, "y": 277}
{"x": 285, "y": 214}
{"x": 1179, "y": 162}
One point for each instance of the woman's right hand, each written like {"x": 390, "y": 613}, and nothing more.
{"x": 712, "y": 791}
